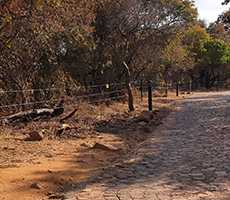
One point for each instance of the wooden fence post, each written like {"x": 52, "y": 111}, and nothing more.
{"x": 177, "y": 89}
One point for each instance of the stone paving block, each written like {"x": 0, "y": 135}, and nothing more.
{"x": 124, "y": 197}
{"x": 178, "y": 198}
{"x": 99, "y": 198}
{"x": 194, "y": 198}
{"x": 187, "y": 157}
{"x": 111, "y": 198}
{"x": 109, "y": 195}
{"x": 161, "y": 196}
{"x": 136, "y": 193}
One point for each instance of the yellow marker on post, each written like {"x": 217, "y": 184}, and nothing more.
{"x": 107, "y": 85}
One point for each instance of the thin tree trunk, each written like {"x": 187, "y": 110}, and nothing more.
{"x": 128, "y": 86}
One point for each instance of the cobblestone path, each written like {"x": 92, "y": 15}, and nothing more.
{"x": 187, "y": 157}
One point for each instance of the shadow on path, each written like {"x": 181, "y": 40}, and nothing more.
{"x": 187, "y": 157}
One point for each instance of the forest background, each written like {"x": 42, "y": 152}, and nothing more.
{"x": 69, "y": 43}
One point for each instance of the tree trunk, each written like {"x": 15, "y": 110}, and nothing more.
{"x": 128, "y": 86}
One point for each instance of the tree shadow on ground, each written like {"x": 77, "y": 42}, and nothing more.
{"x": 188, "y": 152}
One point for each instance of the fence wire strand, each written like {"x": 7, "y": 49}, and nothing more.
{"x": 74, "y": 105}
{"x": 64, "y": 88}
{"x": 82, "y": 99}
{"x": 53, "y": 100}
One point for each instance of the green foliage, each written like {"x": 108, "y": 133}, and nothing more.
{"x": 212, "y": 56}
{"x": 217, "y": 52}
{"x": 213, "y": 64}
{"x": 195, "y": 38}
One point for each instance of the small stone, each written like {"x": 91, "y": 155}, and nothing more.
{"x": 36, "y": 162}
{"x": 38, "y": 185}
{"x": 36, "y": 135}
{"x": 49, "y": 193}
{"x": 104, "y": 146}
{"x": 84, "y": 145}
{"x": 142, "y": 123}
{"x": 152, "y": 122}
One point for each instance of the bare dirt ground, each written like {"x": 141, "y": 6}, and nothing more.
{"x": 60, "y": 161}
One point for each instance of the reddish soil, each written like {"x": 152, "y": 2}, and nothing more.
{"x": 60, "y": 161}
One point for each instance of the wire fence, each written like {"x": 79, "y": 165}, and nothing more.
{"x": 161, "y": 88}
{"x": 15, "y": 101}
{"x": 184, "y": 86}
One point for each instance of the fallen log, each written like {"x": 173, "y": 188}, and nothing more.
{"x": 36, "y": 114}
{"x": 31, "y": 114}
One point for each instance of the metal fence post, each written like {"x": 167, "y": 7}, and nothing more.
{"x": 150, "y": 97}
{"x": 141, "y": 90}
{"x": 177, "y": 89}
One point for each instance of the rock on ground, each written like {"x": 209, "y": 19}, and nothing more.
{"x": 36, "y": 135}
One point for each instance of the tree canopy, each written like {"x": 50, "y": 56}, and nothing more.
{"x": 62, "y": 43}
{"x": 225, "y": 2}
